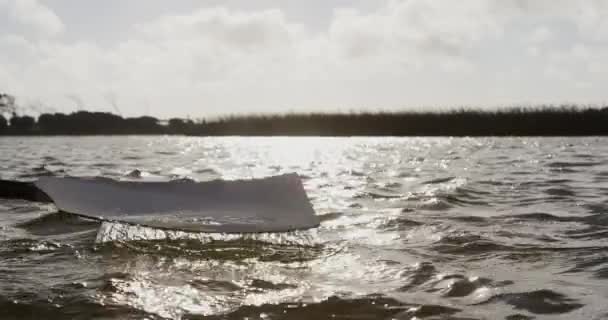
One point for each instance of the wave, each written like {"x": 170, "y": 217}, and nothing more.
{"x": 66, "y": 308}
{"x": 542, "y": 301}
{"x": 560, "y": 164}
{"x": 57, "y": 223}
{"x": 565, "y": 192}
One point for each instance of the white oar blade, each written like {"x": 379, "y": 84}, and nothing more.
{"x": 273, "y": 204}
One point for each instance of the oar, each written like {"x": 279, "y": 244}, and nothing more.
{"x": 22, "y": 190}
{"x": 270, "y": 204}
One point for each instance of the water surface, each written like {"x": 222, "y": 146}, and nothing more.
{"x": 412, "y": 228}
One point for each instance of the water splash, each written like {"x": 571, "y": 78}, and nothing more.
{"x": 112, "y": 231}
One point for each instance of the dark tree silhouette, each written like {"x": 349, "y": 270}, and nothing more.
{"x": 143, "y": 125}
{"x": 540, "y": 121}
{"x": 22, "y": 124}
{"x": 83, "y": 122}
{"x": 181, "y": 126}
{"x": 53, "y": 123}
{"x": 3, "y": 123}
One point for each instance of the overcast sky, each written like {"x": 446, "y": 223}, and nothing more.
{"x": 202, "y": 58}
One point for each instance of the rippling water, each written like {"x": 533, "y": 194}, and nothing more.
{"x": 412, "y": 228}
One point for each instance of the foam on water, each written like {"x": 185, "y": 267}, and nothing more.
{"x": 115, "y": 231}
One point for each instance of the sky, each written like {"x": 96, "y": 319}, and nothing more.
{"x": 190, "y": 58}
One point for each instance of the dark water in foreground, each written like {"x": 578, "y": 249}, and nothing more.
{"x": 412, "y": 228}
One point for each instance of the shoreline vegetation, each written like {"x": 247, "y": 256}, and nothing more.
{"x": 567, "y": 120}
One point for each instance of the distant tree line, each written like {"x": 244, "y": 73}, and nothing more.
{"x": 539, "y": 121}
{"x": 91, "y": 123}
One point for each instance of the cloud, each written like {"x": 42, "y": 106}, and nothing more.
{"x": 413, "y": 28}
{"x": 236, "y": 30}
{"x": 34, "y": 16}
{"x": 177, "y": 61}
{"x": 405, "y": 53}
{"x": 541, "y": 34}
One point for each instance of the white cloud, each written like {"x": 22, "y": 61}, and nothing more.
{"x": 34, "y": 16}
{"x": 413, "y": 30}
{"x": 244, "y": 31}
{"x": 540, "y": 35}
{"x": 406, "y": 53}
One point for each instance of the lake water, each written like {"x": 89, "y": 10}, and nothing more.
{"x": 412, "y": 228}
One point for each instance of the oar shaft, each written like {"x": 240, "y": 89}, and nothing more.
{"x": 22, "y": 190}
